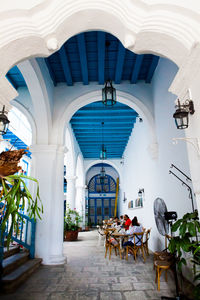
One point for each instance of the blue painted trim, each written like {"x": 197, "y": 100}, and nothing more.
{"x": 32, "y": 247}
{"x": 65, "y": 65}
{"x": 136, "y": 68}
{"x": 101, "y": 56}
{"x": 83, "y": 57}
{"x": 152, "y": 68}
{"x": 51, "y": 72}
{"x": 120, "y": 63}
{"x": 12, "y": 81}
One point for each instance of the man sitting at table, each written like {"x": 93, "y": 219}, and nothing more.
{"x": 127, "y": 222}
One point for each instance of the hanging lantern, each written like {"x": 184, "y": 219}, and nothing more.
{"x": 4, "y": 122}
{"x": 182, "y": 112}
{"x": 109, "y": 94}
{"x": 103, "y": 154}
{"x": 102, "y": 175}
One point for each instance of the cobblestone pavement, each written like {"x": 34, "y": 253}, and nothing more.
{"x": 87, "y": 275}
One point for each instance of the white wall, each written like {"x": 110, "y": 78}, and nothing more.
{"x": 140, "y": 171}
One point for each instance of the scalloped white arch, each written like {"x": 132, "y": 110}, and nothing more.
{"x": 162, "y": 27}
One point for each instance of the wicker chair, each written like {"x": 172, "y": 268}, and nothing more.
{"x": 145, "y": 243}
{"x": 138, "y": 246}
{"x": 112, "y": 243}
{"x": 164, "y": 254}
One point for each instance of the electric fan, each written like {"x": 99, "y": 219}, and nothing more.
{"x": 162, "y": 218}
{"x": 160, "y": 209}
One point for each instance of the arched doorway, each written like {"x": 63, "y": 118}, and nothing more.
{"x": 101, "y": 199}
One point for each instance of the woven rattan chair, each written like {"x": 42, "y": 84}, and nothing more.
{"x": 137, "y": 247}
{"x": 145, "y": 243}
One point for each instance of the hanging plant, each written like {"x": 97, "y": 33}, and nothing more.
{"x": 15, "y": 194}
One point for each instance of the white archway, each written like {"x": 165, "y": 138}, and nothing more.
{"x": 39, "y": 29}
{"x": 84, "y": 99}
{"x": 108, "y": 162}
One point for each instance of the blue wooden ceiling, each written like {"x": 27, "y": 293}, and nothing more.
{"x": 85, "y": 58}
{"x": 114, "y": 133}
{"x": 97, "y": 56}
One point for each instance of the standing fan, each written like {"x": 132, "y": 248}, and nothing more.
{"x": 160, "y": 209}
{"x": 162, "y": 217}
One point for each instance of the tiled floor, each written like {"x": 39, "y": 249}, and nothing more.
{"x": 87, "y": 275}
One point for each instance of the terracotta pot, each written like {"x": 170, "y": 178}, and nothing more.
{"x": 71, "y": 235}
{"x": 87, "y": 228}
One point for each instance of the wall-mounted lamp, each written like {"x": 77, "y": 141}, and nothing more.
{"x": 182, "y": 112}
{"x": 124, "y": 200}
{"x": 140, "y": 193}
{"x": 4, "y": 122}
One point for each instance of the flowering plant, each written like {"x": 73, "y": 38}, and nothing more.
{"x": 71, "y": 220}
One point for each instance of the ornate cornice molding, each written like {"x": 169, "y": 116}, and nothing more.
{"x": 169, "y": 28}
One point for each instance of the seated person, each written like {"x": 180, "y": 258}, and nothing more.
{"x": 136, "y": 227}
{"x": 117, "y": 226}
{"x": 136, "y": 220}
{"x": 121, "y": 218}
{"x": 127, "y": 222}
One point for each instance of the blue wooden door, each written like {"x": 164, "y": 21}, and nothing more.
{"x": 101, "y": 199}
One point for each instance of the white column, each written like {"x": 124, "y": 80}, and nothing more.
{"x": 48, "y": 168}
{"x": 71, "y": 191}
{"x": 80, "y": 201}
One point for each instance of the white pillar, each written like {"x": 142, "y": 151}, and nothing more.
{"x": 80, "y": 201}
{"x": 48, "y": 168}
{"x": 71, "y": 192}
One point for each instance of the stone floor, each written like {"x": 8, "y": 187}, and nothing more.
{"x": 87, "y": 275}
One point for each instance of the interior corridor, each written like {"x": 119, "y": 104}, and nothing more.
{"x": 87, "y": 275}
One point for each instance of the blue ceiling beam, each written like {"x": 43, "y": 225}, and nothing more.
{"x": 83, "y": 57}
{"x": 115, "y": 126}
{"x": 65, "y": 66}
{"x": 152, "y": 68}
{"x": 136, "y": 68}
{"x": 11, "y": 81}
{"x": 101, "y": 56}
{"x": 106, "y": 114}
{"x": 51, "y": 73}
{"x": 120, "y": 63}
{"x": 105, "y": 109}
{"x": 96, "y": 131}
{"x": 105, "y": 118}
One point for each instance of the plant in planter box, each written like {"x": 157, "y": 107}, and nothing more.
{"x": 187, "y": 241}
{"x": 71, "y": 224}
{"x": 14, "y": 193}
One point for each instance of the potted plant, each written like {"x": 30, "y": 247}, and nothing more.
{"x": 87, "y": 228}
{"x": 187, "y": 242}
{"x": 14, "y": 194}
{"x": 71, "y": 224}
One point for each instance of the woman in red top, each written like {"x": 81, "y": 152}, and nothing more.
{"x": 127, "y": 222}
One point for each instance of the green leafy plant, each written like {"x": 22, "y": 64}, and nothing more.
{"x": 187, "y": 241}
{"x": 14, "y": 197}
{"x": 72, "y": 220}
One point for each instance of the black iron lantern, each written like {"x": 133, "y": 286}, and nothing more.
{"x": 102, "y": 175}
{"x": 103, "y": 153}
{"x": 140, "y": 193}
{"x": 182, "y": 112}
{"x": 109, "y": 94}
{"x": 4, "y": 122}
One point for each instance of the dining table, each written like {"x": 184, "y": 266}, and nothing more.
{"x": 121, "y": 236}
